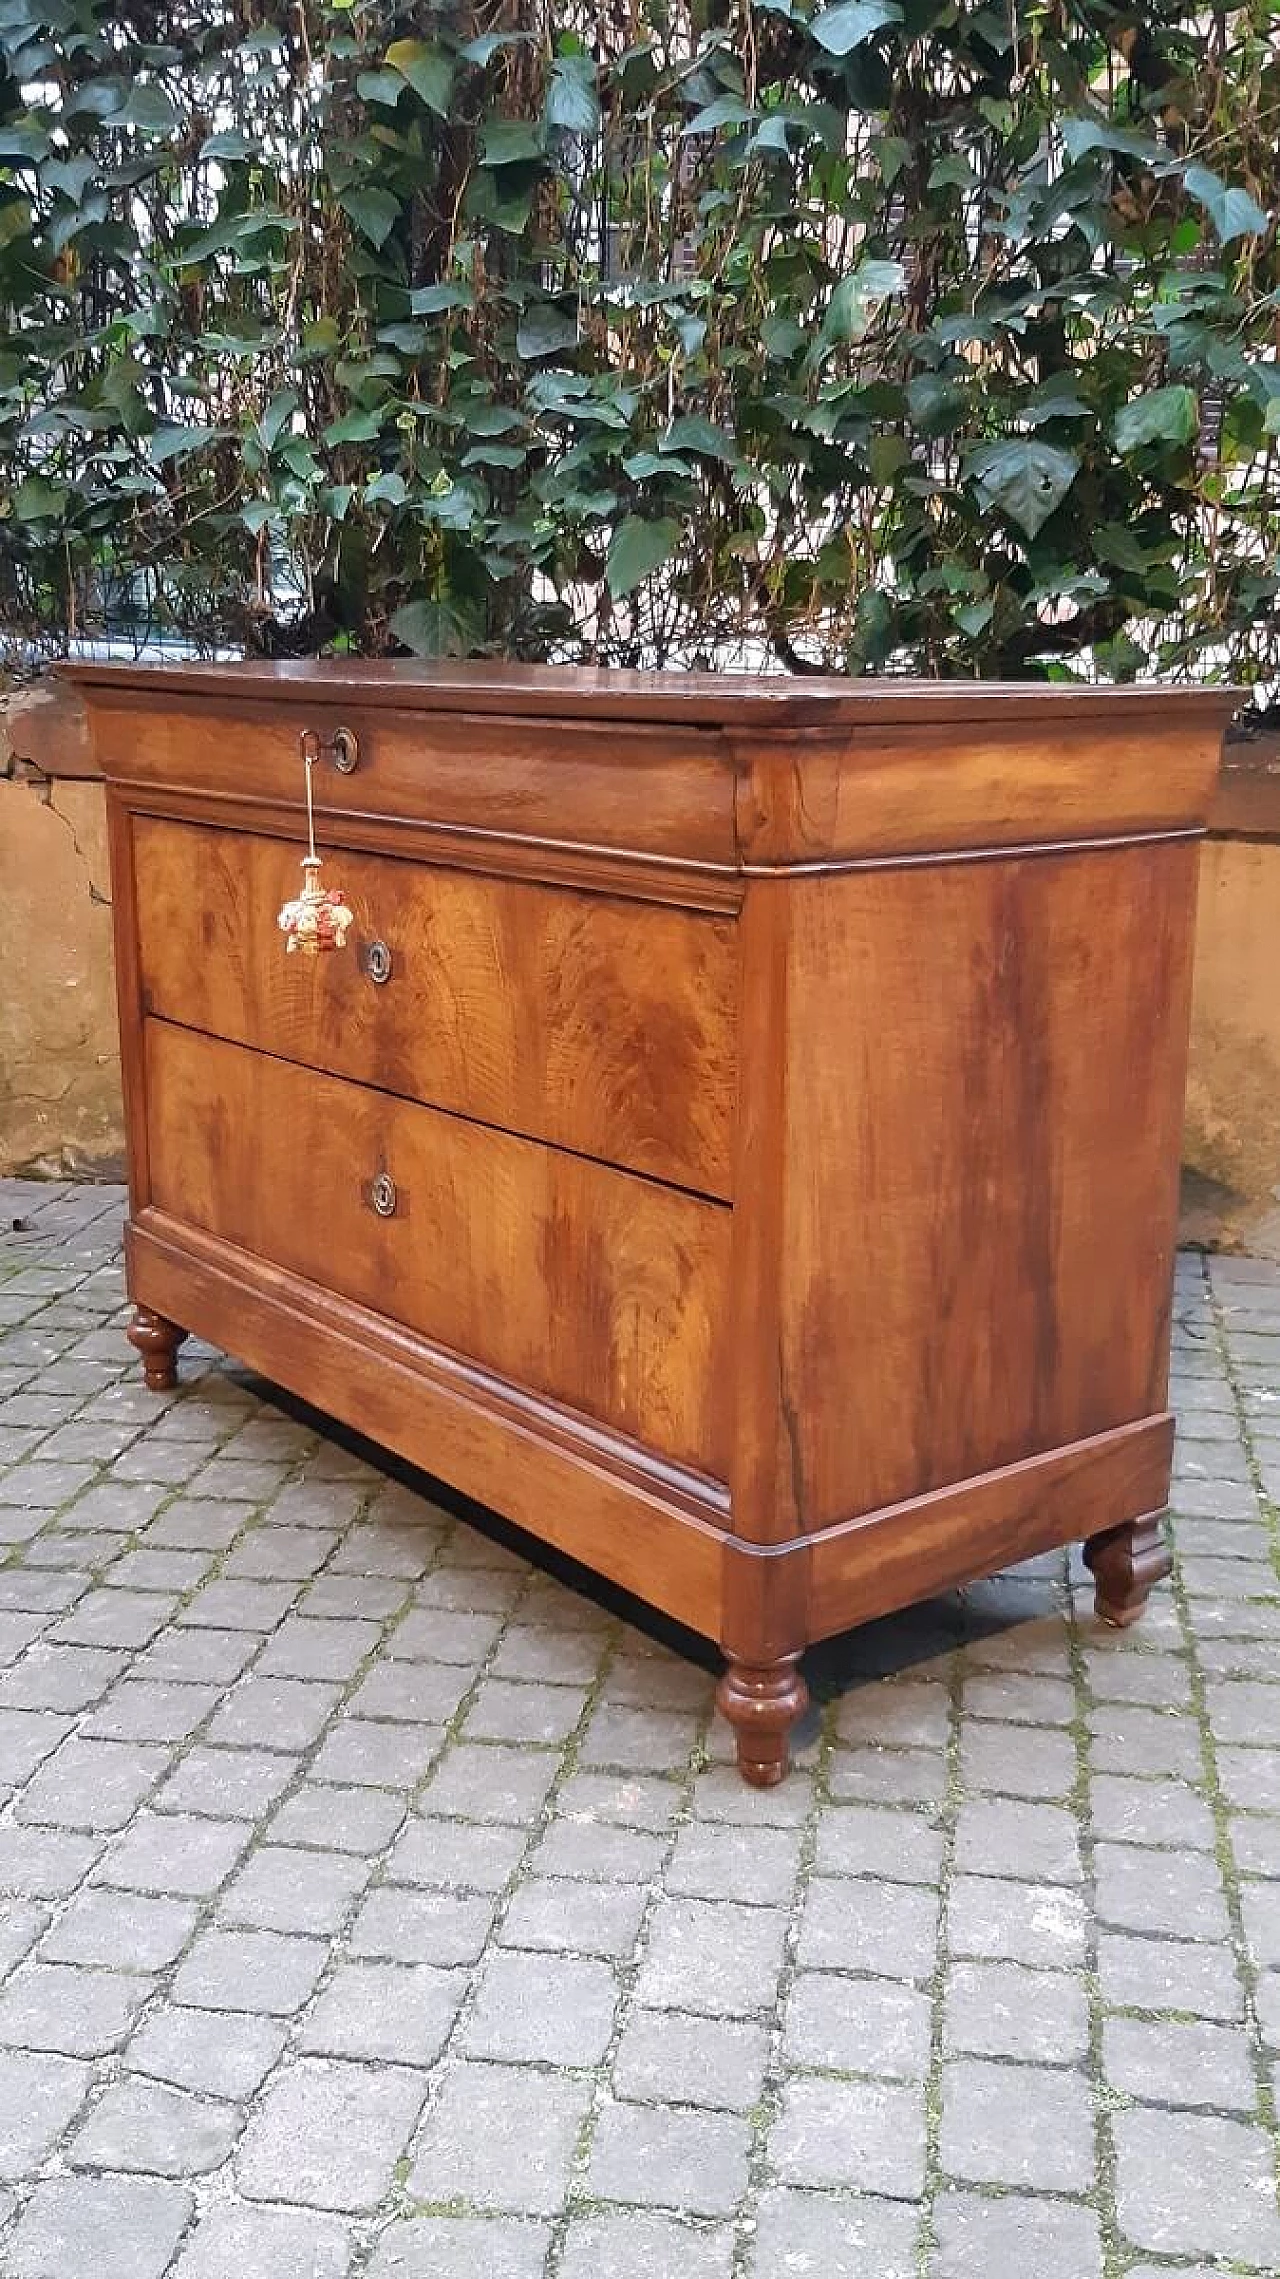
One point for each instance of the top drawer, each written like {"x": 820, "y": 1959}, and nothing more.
{"x": 597, "y": 1024}
{"x": 642, "y": 796}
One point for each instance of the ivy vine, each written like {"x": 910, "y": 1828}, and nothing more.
{"x": 877, "y": 335}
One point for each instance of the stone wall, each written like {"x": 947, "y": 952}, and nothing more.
{"x": 59, "y": 1063}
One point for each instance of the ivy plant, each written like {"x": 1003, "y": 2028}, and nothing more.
{"x": 936, "y": 335}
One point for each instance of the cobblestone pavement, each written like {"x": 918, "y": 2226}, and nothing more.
{"x": 378, "y": 1904}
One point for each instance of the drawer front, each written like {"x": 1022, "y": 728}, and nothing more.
{"x": 603, "y": 1291}
{"x": 664, "y": 792}
{"x": 601, "y": 1025}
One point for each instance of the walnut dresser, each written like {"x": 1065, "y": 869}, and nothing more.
{"x": 738, "y": 1137}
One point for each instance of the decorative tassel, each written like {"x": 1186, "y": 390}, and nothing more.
{"x": 318, "y": 919}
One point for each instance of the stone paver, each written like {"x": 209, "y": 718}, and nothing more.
{"x": 866, "y": 2135}
{"x": 461, "y": 2247}
{"x": 147, "y": 2125}
{"x": 372, "y": 1902}
{"x": 113, "y": 2227}
{"x": 640, "y": 2244}
{"x": 328, "y": 2135}
{"x": 1028, "y": 2125}
{"x": 978, "y": 2238}
{"x": 39, "y": 2094}
{"x": 664, "y": 2058}
{"x": 501, "y": 2136}
{"x": 266, "y": 2243}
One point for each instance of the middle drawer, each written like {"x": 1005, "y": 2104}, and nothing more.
{"x": 598, "y": 1024}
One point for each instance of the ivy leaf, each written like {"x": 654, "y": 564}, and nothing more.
{"x": 572, "y": 103}
{"x": 1164, "y": 415}
{"x": 173, "y": 442}
{"x": 36, "y": 500}
{"x": 690, "y": 331}
{"x": 974, "y": 617}
{"x": 772, "y": 133}
{"x": 447, "y": 628}
{"x": 98, "y": 98}
{"x": 887, "y": 455}
{"x": 454, "y": 506}
{"x": 483, "y": 50}
{"x": 953, "y": 173}
{"x": 936, "y": 404}
{"x": 639, "y": 547}
{"x": 354, "y": 427}
{"x": 299, "y": 457}
{"x": 148, "y": 107}
{"x": 510, "y": 142}
{"x": 374, "y": 212}
{"x": 232, "y": 144}
{"x": 428, "y": 70}
{"x": 429, "y": 300}
{"x": 543, "y": 329}
{"x": 409, "y": 339}
{"x": 849, "y": 310}
{"x": 1079, "y": 136}
{"x": 726, "y": 111}
{"x": 278, "y": 413}
{"x": 1027, "y": 481}
{"x": 71, "y": 176}
{"x": 781, "y": 335}
{"x": 642, "y": 464}
{"x": 852, "y": 23}
{"x": 24, "y": 144}
{"x": 385, "y": 87}
{"x": 495, "y": 455}
{"x": 1054, "y": 399}
{"x": 483, "y": 417}
{"x": 1113, "y": 543}
{"x": 693, "y": 433}
{"x": 1232, "y": 211}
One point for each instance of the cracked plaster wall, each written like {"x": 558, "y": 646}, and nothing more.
{"x": 60, "y": 1108}
{"x": 1232, "y": 1144}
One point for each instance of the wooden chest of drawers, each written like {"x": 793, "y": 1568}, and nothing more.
{"x": 739, "y": 1140}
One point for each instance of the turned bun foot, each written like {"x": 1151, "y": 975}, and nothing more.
{"x": 157, "y": 1340}
{"x": 762, "y": 1703}
{"x": 1125, "y": 1563}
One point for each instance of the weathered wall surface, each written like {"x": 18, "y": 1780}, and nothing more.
{"x": 1232, "y": 1146}
{"x": 59, "y": 1060}
{"x": 59, "y": 1063}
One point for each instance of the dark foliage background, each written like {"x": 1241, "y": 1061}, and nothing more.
{"x": 885, "y": 333}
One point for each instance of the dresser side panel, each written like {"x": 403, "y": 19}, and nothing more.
{"x": 986, "y": 1064}
{"x": 128, "y": 980}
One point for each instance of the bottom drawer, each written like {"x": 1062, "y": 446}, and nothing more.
{"x": 591, "y": 1285}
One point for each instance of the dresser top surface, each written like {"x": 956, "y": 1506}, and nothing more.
{"x": 742, "y": 701}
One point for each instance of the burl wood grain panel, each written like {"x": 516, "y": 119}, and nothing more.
{"x": 602, "y": 1025}
{"x": 984, "y": 1091}
{"x": 599, "y": 1289}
